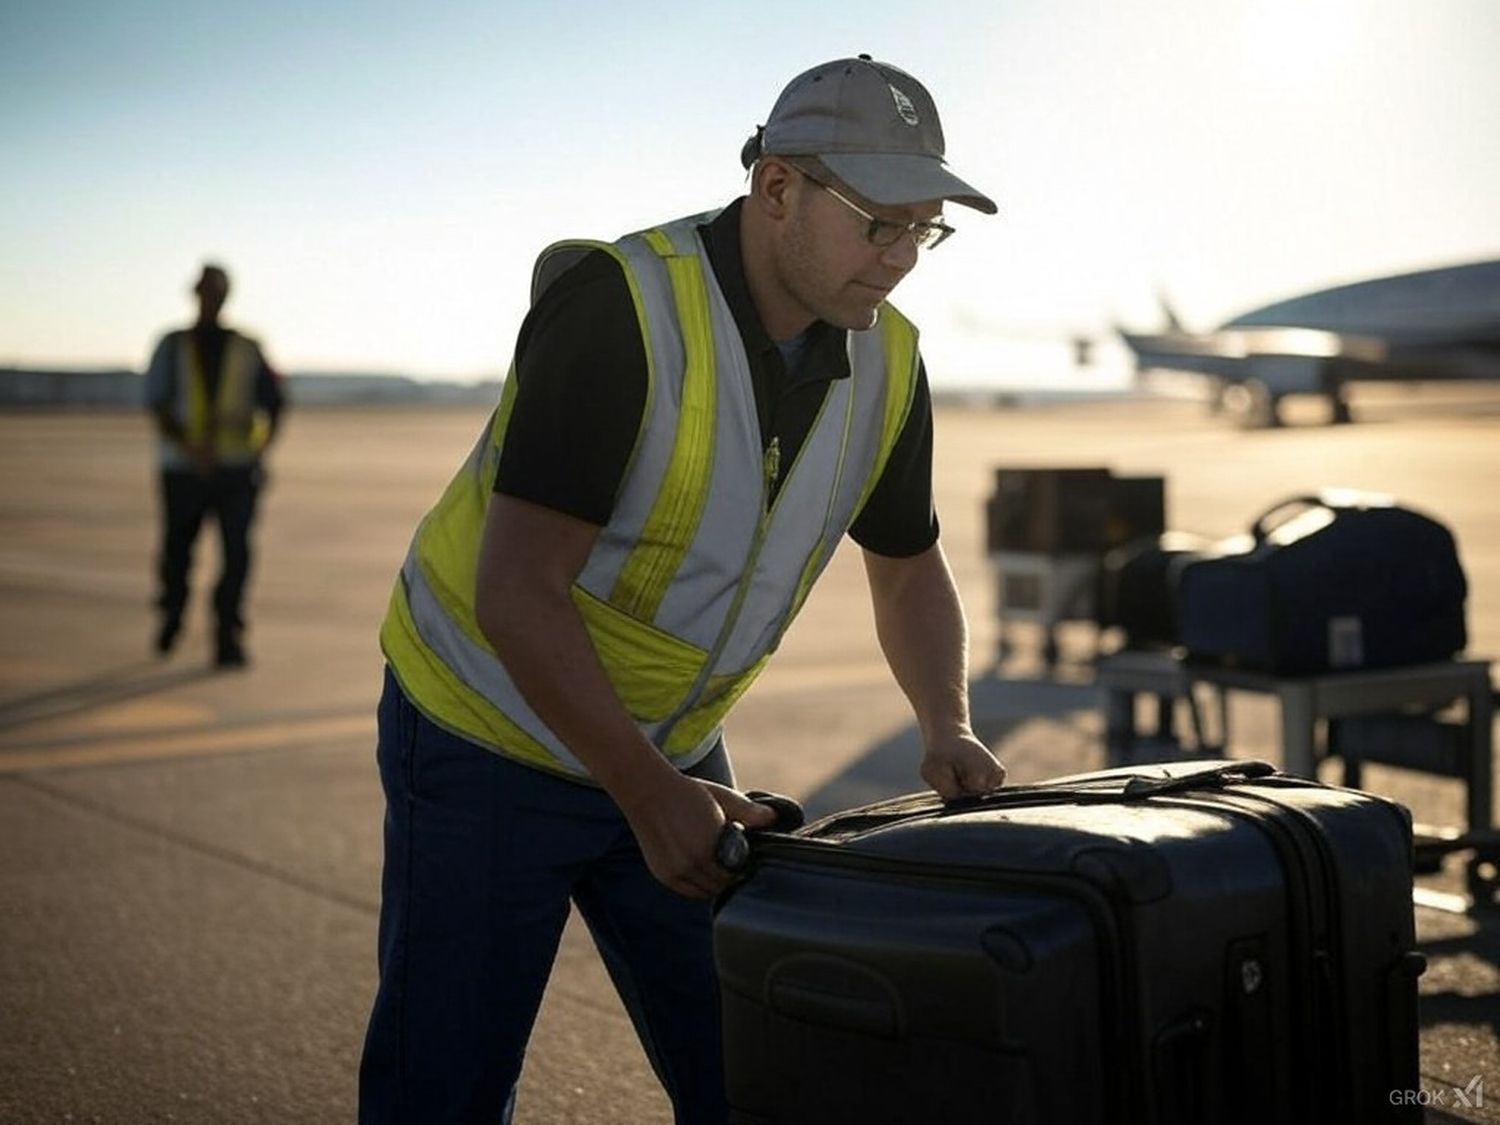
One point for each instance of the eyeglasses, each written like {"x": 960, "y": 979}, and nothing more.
{"x": 928, "y": 234}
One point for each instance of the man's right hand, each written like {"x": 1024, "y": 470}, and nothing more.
{"x": 678, "y": 831}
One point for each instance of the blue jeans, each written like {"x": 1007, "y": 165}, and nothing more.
{"x": 482, "y": 857}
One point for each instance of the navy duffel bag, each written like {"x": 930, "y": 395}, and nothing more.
{"x": 1334, "y": 581}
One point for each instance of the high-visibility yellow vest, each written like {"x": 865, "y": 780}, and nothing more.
{"x": 697, "y": 575}
{"x": 230, "y": 417}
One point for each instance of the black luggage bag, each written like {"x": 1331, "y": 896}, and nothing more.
{"x": 1336, "y": 581}
{"x": 1206, "y": 943}
{"x": 1137, "y": 587}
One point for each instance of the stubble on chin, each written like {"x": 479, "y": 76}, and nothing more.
{"x": 855, "y": 316}
{"x": 847, "y": 306}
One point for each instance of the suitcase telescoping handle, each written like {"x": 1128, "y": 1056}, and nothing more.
{"x": 732, "y": 852}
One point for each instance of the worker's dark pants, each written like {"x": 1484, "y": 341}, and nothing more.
{"x": 482, "y": 857}
{"x": 228, "y": 494}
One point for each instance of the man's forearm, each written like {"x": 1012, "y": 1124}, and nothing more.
{"x": 528, "y": 562}
{"x": 541, "y": 640}
{"x": 920, "y": 623}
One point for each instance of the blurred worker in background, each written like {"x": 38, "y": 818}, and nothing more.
{"x": 216, "y": 403}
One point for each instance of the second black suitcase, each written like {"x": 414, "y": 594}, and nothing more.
{"x": 1166, "y": 944}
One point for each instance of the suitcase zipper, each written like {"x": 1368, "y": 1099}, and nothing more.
{"x": 1099, "y": 791}
{"x": 1302, "y": 940}
{"x": 838, "y": 827}
{"x": 1317, "y": 936}
{"x": 1334, "y": 936}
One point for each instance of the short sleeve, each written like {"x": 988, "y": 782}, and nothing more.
{"x": 580, "y": 394}
{"x": 899, "y": 520}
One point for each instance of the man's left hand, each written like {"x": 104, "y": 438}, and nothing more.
{"x": 960, "y": 764}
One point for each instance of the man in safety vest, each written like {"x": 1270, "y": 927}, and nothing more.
{"x": 216, "y": 403}
{"x": 696, "y": 416}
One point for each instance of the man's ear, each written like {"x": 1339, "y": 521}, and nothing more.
{"x": 773, "y": 186}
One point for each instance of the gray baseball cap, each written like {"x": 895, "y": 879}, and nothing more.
{"x": 872, "y": 125}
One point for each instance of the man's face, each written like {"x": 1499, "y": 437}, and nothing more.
{"x": 827, "y": 263}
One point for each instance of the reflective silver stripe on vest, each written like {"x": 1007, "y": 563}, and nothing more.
{"x": 817, "y": 500}
{"x": 481, "y": 670}
{"x": 699, "y": 601}
{"x": 658, "y": 429}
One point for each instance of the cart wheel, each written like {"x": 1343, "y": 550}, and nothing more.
{"x": 1484, "y": 879}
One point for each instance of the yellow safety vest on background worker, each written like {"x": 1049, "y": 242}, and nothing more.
{"x": 695, "y": 578}
{"x": 230, "y": 417}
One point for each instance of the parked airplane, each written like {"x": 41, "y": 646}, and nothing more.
{"x": 1433, "y": 324}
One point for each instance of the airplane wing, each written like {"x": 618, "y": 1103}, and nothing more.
{"x": 1433, "y": 324}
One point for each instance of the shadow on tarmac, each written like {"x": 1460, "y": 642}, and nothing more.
{"x": 114, "y": 685}
{"x": 1478, "y": 949}
{"x": 998, "y": 705}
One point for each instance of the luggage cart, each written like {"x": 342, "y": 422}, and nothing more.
{"x": 1046, "y": 533}
{"x": 1045, "y": 590}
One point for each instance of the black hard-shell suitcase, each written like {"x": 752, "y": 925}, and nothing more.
{"x": 1334, "y": 581}
{"x": 1197, "y": 944}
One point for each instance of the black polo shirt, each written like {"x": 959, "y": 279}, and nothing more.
{"x": 581, "y": 389}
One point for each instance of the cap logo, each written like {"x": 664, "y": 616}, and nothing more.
{"x": 904, "y": 107}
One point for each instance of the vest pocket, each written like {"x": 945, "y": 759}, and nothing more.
{"x": 650, "y": 670}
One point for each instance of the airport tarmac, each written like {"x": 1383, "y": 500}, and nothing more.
{"x": 189, "y": 861}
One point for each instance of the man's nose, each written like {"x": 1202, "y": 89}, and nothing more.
{"x": 901, "y": 254}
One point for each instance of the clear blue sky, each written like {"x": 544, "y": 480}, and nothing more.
{"x": 378, "y": 176}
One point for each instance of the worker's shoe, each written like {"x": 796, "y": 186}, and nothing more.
{"x": 166, "y": 633}
{"x": 228, "y": 652}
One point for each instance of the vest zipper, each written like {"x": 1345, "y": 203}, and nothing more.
{"x": 770, "y": 471}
